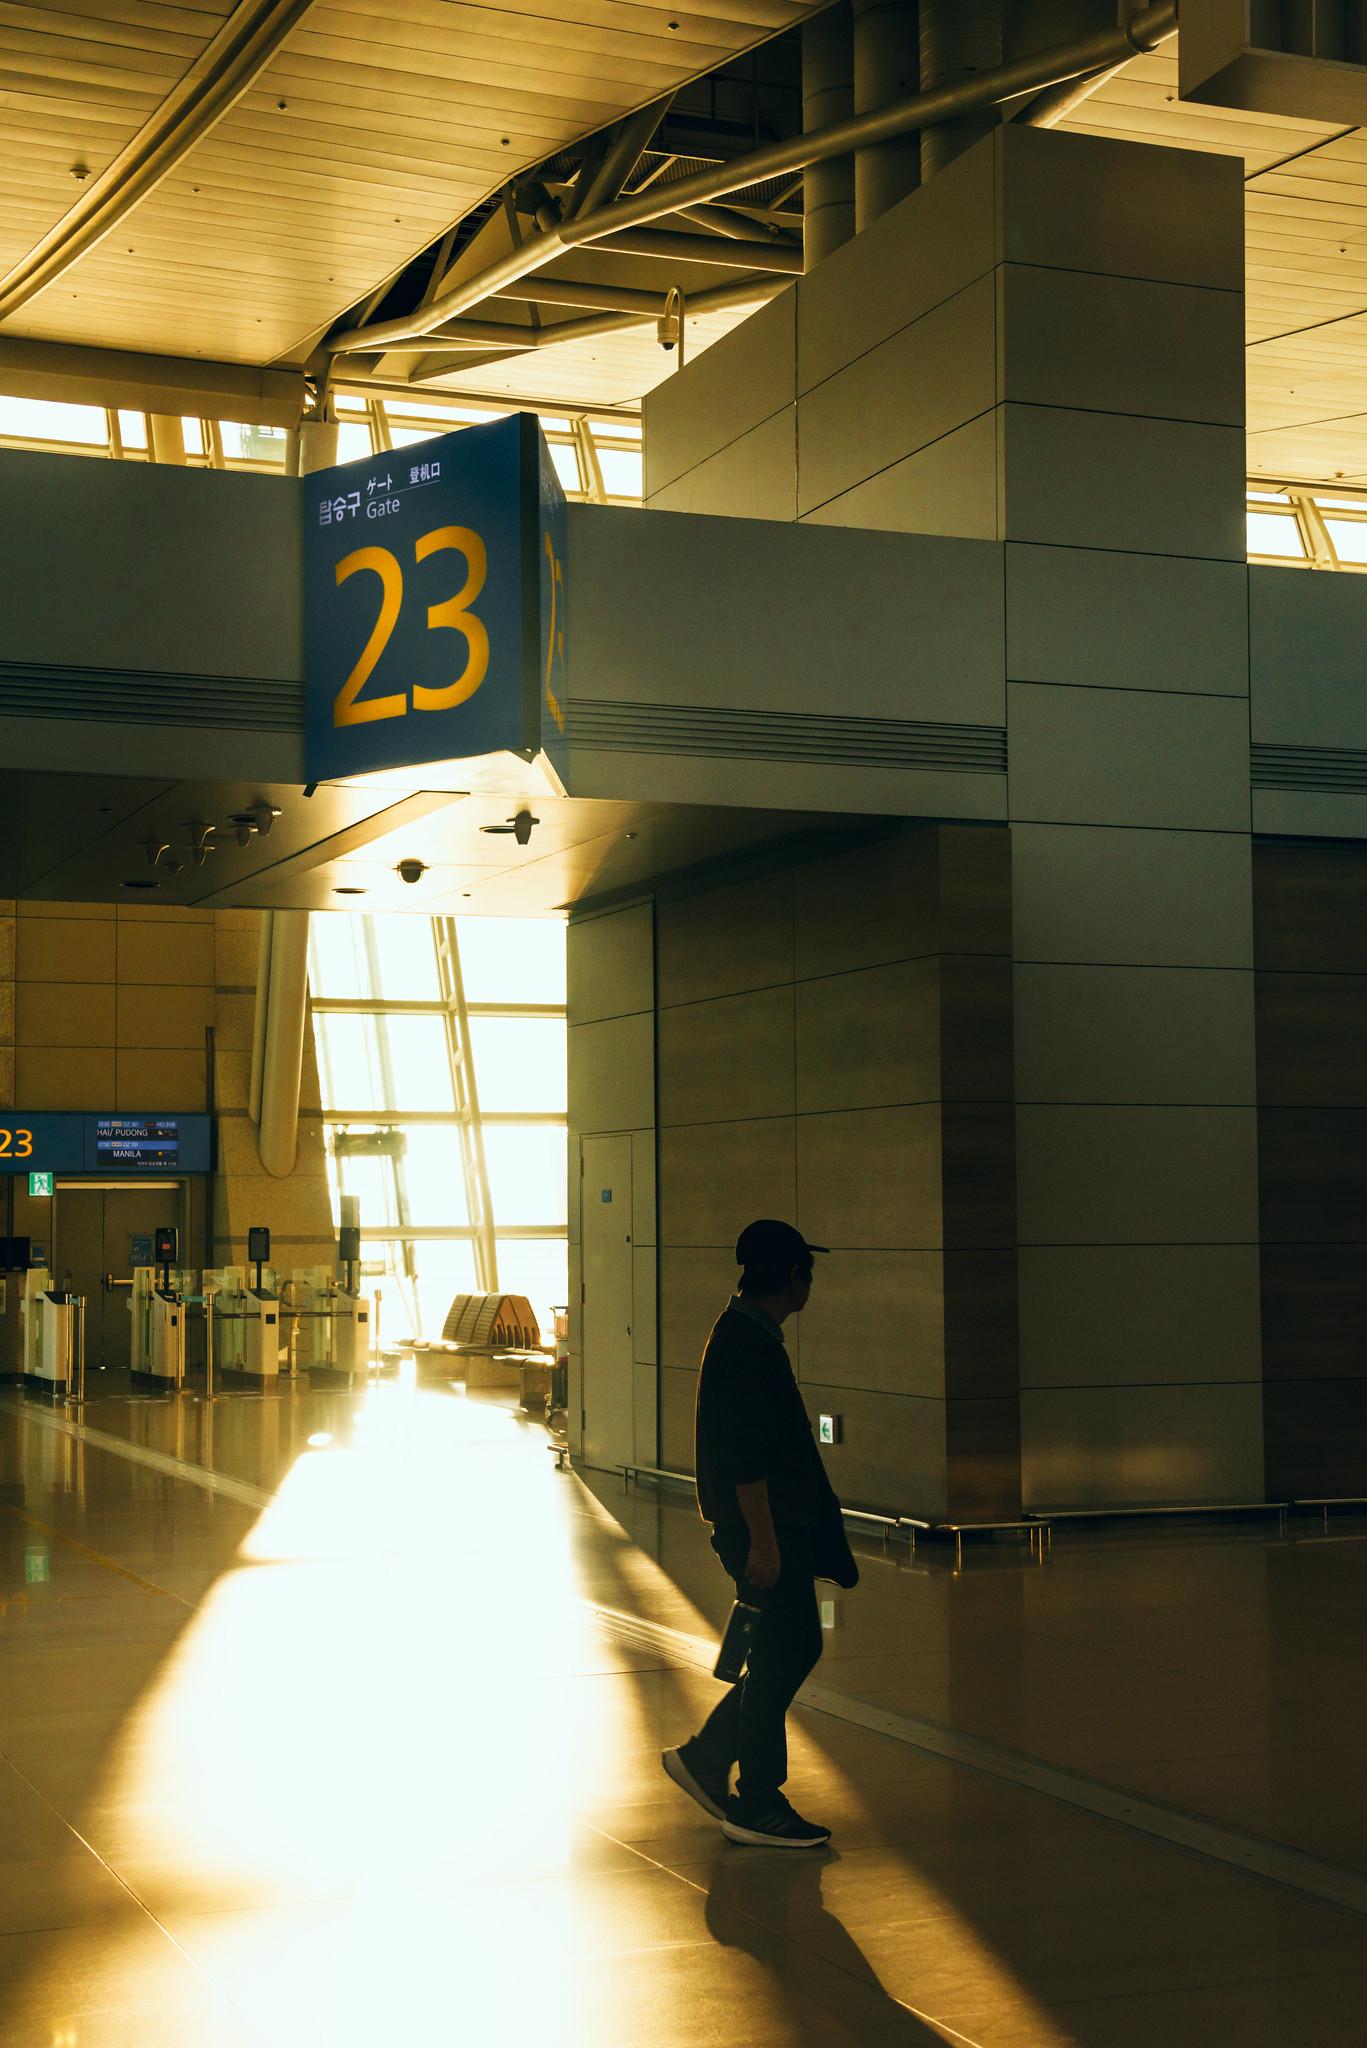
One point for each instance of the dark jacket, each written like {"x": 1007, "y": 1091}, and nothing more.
{"x": 752, "y": 1424}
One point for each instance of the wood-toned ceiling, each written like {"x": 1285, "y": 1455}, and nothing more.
{"x": 375, "y": 126}
{"x": 379, "y": 123}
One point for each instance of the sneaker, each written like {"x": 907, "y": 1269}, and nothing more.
{"x": 709, "y": 1788}
{"x": 775, "y": 1826}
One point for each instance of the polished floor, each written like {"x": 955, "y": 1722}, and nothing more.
{"x": 358, "y": 1744}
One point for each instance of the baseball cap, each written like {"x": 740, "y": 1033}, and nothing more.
{"x": 772, "y": 1244}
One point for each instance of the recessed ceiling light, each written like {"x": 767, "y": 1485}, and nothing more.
{"x": 141, "y": 882}
{"x": 348, "y": 892}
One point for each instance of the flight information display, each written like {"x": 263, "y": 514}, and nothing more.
{"x": 112, "y": 1144}
{"x": 137, "y": 1141}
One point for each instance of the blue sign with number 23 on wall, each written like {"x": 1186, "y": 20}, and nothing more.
{"x": 435, "y": 604}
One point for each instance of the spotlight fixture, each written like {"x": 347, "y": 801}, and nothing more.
{"x": 154, "y": 849}
{"x": 520, "y": 826}
{"x": 201, "y": 840}
{"x": 258, "y": 819}
{"x": 411, "y": 870}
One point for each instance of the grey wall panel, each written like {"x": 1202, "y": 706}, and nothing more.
{"x": 1068, "y": 339}
{"x": 1120, "y": 1175}
{"x": 826, "y": 611}
{"x": 164, "y": 555}
{"x": 756, "y": 783}
{"x": 1162, "y": 898}
{"x": 696, "y": 1282}
{"x": 722, "y": 394}
{"x": 715, "y": 1177}
{"x": 644, "y": 1292}
{"x": 610, "y": 964}
{"x": 1183, "y": 484}
{"x": 893, "y": 1455}
{"x": 1309, "y": 814}
{"x": 916, "y": 255}
{"x": 1133, "y": 1315}
{"x": 1094, "y": 1446}
{"x": 643, "y": 1204}
{"x": 871, "y": 1177}
{"x": 1134, "y": 1034}
{"x": 869, "y": 1037}
{"x": 1125, "y": 757}
{"x": 1086, "y": 202}
{"x": 646, "y": 1392}
{"x": 1312, "y": 1039}
{"x": 1308, "y": 658}
{"x": 867, "y": 906}
{"x": 678, "y": 1399}
{"x": 612, "y": 1074}
{"x": 951, "y": 487}
{"x": 724, "y": 941}
{"x": 753, "y": 477}
{"x": 171, "y": 752}
{"x": 1126, "y": 621}
{"x": 876, "y": 1320}
{"x": 728, "y": 1058}
{"x": 910, "y": 390}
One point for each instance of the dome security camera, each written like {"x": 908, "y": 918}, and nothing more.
{"x": 411, "y": 870}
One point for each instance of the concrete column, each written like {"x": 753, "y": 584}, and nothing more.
{"x": 969, "y": 368}
{"x": 827, "y": 96}
{"x": 168, "y": 438}
{"x": 958, "y": 37}
{"x": 886, "y": 67}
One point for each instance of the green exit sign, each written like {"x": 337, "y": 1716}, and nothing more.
{"x": 40, "y": 1184}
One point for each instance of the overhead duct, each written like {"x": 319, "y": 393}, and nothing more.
{"x": 960, "y": 40}
{"x": 827, "y": 99}
{"x": 886, "y": 67}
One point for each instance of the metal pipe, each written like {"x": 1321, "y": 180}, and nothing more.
{"x": 263, "y": 998}
{"x": 886, "y": 66}
{"x": 778, "y": 159}
{"x": 619, "y": 159}
{"x": 724, "y": 220}
{"x": 827, "y": 100}
{"x": 670, "y": 247}
{"x": 1046, "y": 109}
{"x": 599, "y": 298}
{"x": 959, "y": 39}
{"x": 282, "y": 1065}
{"x": 750, "y": 291}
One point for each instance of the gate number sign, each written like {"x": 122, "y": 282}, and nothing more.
{"x": 435, "y": 603}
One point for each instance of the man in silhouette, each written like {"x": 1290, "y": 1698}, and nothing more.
{"x": 776, "y": 1527}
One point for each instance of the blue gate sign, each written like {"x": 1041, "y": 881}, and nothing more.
{"x": 435, "y": 605}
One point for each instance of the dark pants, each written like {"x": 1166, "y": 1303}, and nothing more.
{"x": 747, "y": 1726}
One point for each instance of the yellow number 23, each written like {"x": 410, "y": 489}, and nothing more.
{"x": 454, "y": 613}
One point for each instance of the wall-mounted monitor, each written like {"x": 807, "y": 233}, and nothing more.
{"x": 110, "y": 1143}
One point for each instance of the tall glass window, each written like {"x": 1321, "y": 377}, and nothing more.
{"x": 441, "y": 1055}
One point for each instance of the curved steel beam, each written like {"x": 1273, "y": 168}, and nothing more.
{"x": 881, "y": 124}
{"x": 217, "y": 79}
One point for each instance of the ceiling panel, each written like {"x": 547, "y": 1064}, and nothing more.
{"x": 373, "y": 128}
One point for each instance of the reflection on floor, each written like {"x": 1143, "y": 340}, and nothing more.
{"x": 360, "y": 1765}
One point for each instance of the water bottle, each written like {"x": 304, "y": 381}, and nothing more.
{"x": 735, "y": 1644}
